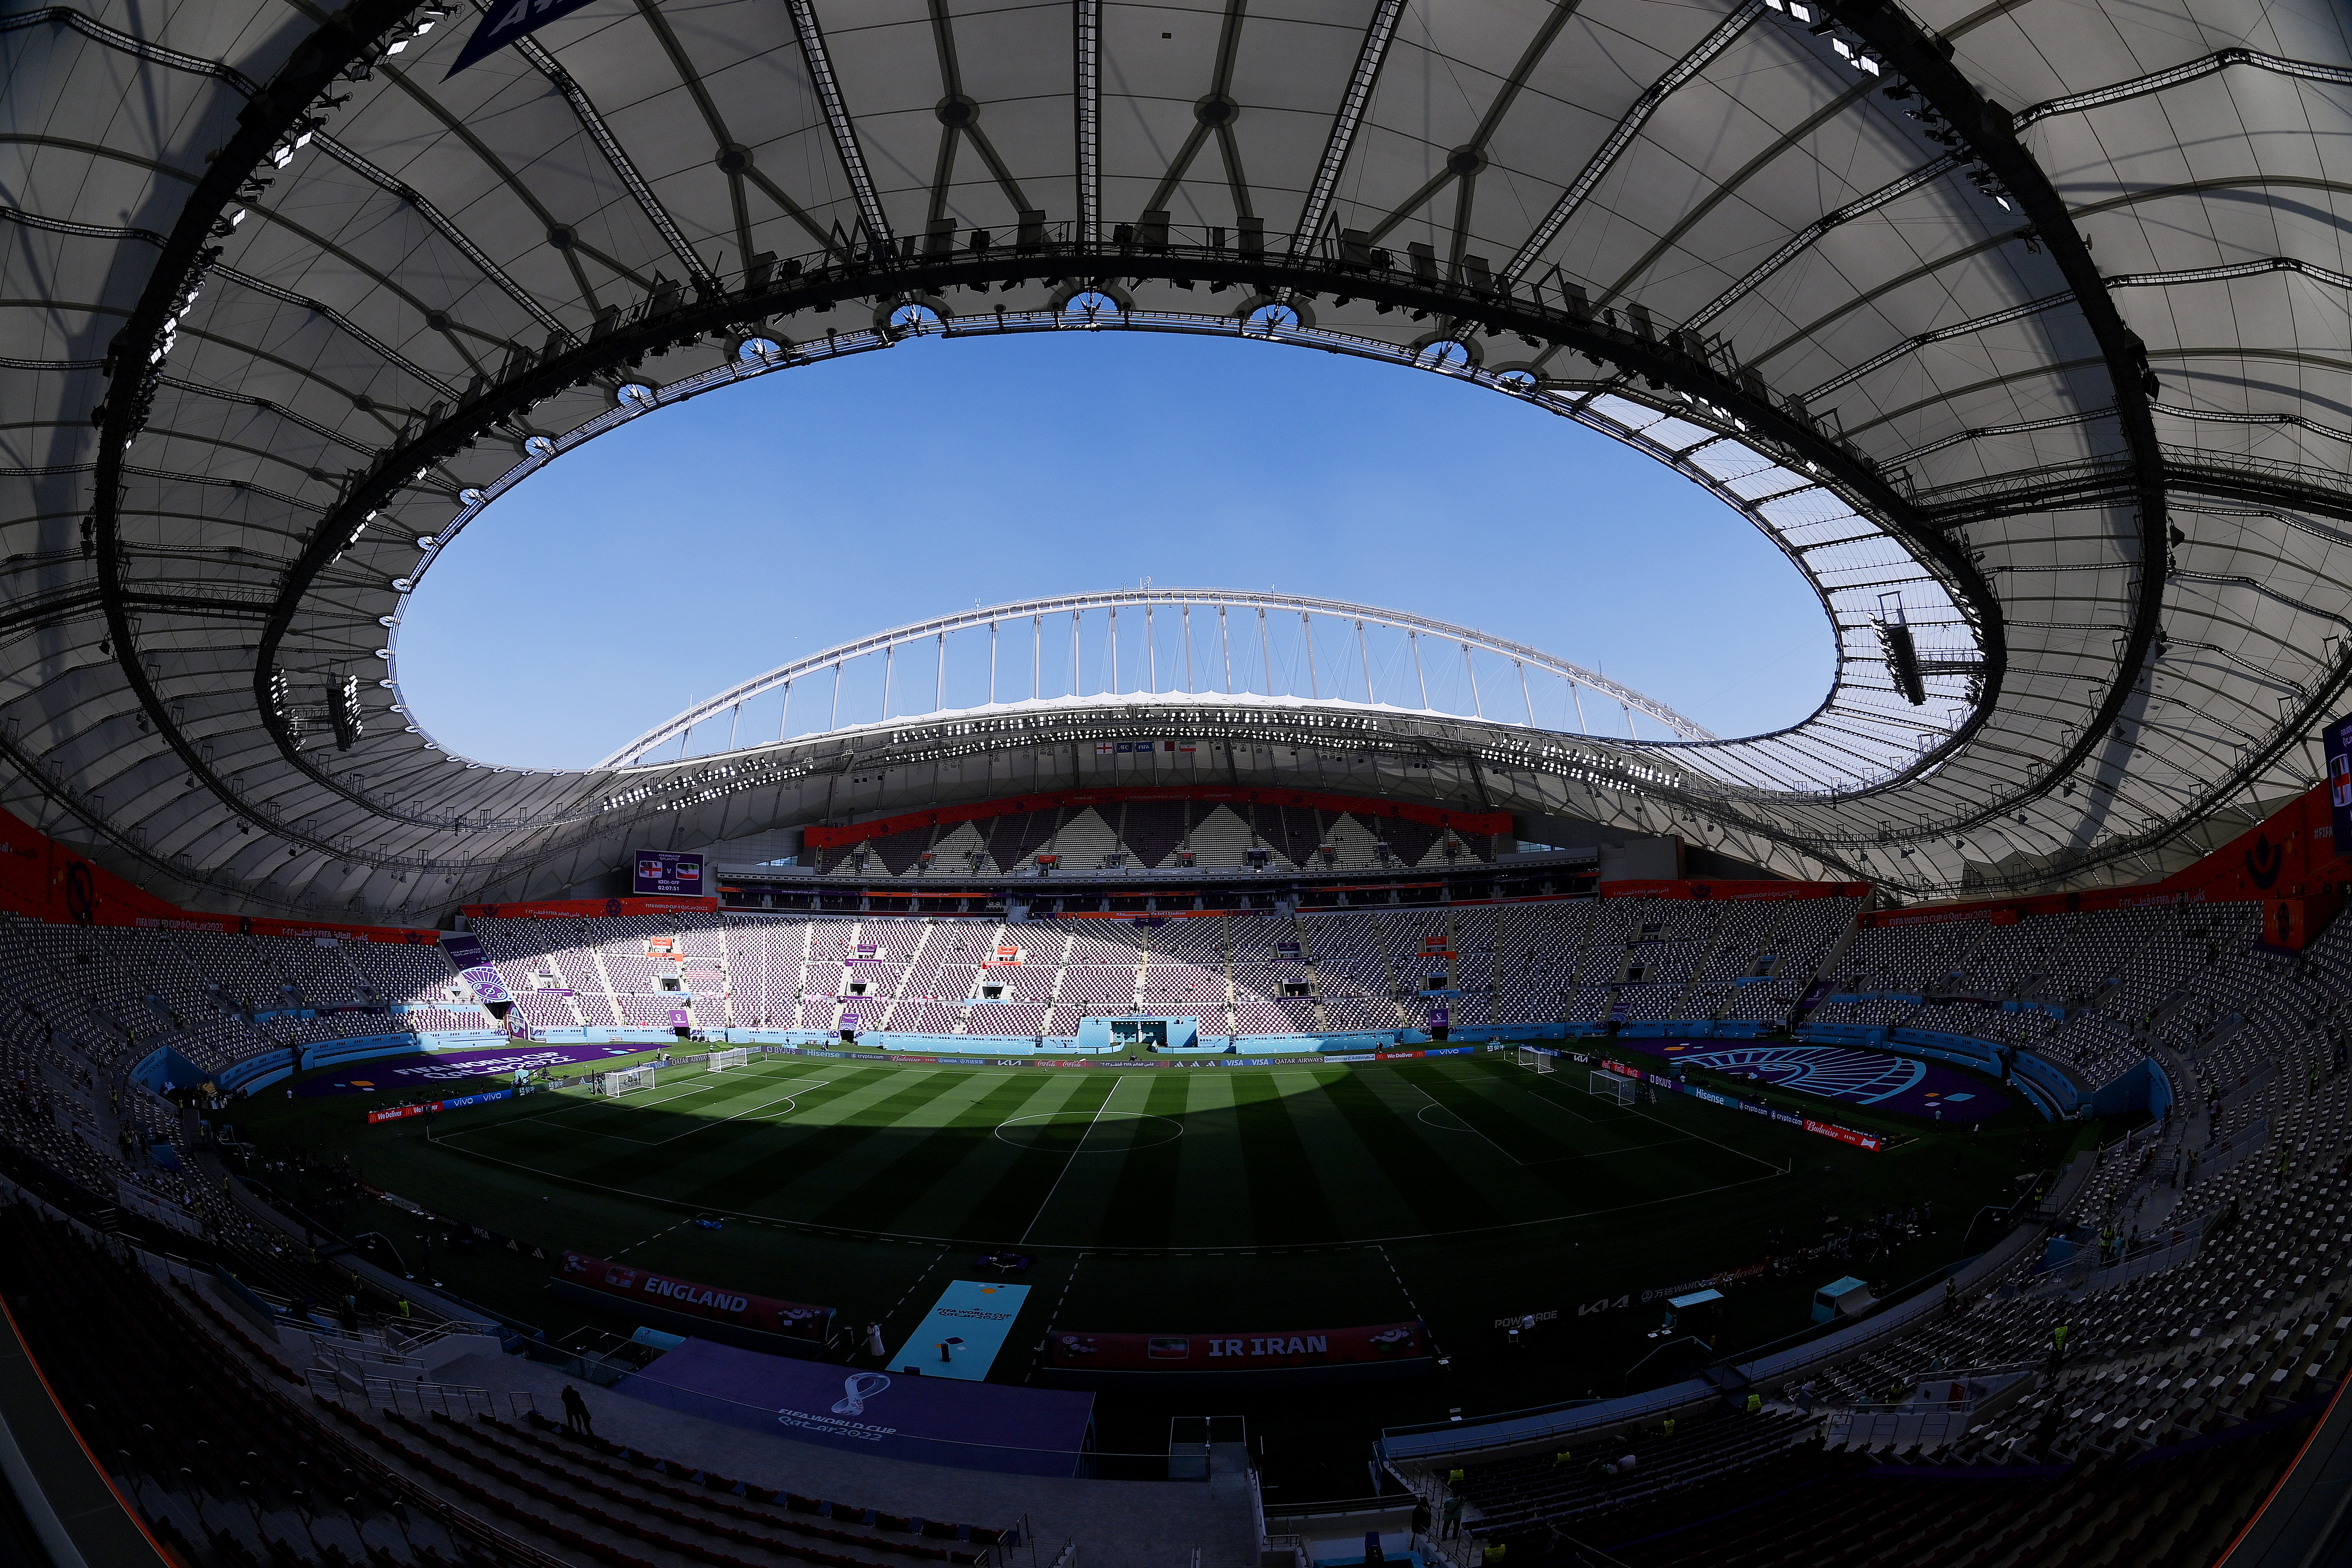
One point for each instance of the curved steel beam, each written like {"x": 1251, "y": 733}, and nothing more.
{"x": 134, "y": 358}
{"x": 1990, "y": 132}
{"x": 1113, "y": 598}
{"x": 1730, "y": 402}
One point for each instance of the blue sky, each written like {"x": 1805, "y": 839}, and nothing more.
{"x": 700, "y": 545}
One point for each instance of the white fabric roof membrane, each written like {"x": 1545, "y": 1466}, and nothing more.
{"x": 2033, "y": 314}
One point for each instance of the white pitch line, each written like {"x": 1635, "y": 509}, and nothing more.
{"x": 1461, "y": 1118}
{"x": 1072, "y": 1158}
{"x": 628, "y": 1102}
{"x": 706, "y": 1126}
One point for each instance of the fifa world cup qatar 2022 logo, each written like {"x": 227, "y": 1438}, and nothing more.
{"x": 856, "y": 1389}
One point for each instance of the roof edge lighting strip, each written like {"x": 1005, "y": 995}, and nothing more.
{"x": 2140, "y": 86}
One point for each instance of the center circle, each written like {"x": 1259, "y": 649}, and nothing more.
{"x": 1064, "y": 1131}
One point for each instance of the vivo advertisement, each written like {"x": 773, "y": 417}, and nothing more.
{"x": 660, "y": 870}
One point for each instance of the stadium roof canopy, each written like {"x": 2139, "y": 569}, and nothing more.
{"x": 2029, "y": 317}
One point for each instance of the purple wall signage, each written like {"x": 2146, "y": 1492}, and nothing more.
{"x": 465, "y": 952}
{"x": 930, "y": 1420}
{"x": 661, "y": 871}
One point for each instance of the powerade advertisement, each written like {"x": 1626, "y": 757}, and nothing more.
{"x": 661, "y": 871}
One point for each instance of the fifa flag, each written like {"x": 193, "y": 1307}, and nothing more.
{"x": 506, "y": 21}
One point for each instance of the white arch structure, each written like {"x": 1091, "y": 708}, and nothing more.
{"x": 1255, "y": 608}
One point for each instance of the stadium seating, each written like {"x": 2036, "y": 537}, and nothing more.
{"x": 1150, "y": 835}
{"x": 2199, "y": 1344}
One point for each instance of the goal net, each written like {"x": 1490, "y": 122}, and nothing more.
{"x": 1609, "y": 1087}
{"x": 720, "y": 1061}
{"x": 1536, "y": 1061}
{"x": 625, "y": 1080}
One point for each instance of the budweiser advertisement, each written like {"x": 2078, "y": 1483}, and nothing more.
{"x": 1256, "y": 1350}
{"x": 762, "y": 1313}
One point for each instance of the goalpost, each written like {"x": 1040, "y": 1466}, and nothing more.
{"x": 625, "y": 1080}
{"x": 720, "y": 1061}
{"x": 1536, "y": 1061}
{"x": 1609, "y": 1087}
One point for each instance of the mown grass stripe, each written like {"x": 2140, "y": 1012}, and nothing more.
{"x": 1287, "y": 1203}
{"x": 1432, "y": 1175}
{"x": 1003, "y": 1211}
{"x": 1139, "y": 1208}
{"x": 928, "y": 1186}
{"x": 624, "y": 1145}
{"x": 778, "y": 1177}
{"x": 1210, "y": 1205}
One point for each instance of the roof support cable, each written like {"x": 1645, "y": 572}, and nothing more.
{"x": 618, "y": 156}
{"x": 1605, "y": 157}
{"x": 1353, "y": 103}
{"x": 837, "y": 120}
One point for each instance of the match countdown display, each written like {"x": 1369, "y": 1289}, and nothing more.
{"x": 662, "y": 871}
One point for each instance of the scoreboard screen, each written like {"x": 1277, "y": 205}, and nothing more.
{"x": 661, "y": 871}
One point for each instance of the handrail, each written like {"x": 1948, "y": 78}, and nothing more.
{"x": 939, "y": 626}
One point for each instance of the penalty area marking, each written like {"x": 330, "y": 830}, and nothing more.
{"x": 800, "y": 1085}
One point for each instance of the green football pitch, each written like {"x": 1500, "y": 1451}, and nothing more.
{"x": 1175, "y": 1199}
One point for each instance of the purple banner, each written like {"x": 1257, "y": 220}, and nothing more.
{"x": 506, "y": 21}
{"x": 894, "y": 1413}
{"x": 373, "y": 1075}
{"x": 472, "y": 961}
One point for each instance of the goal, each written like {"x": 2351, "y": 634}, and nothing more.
{"x": 1536, "y": 1061}
{"x": 625, "y": 1080}
{"x": 1609, "y": 1087}
{"x": 720, "y": 1061}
